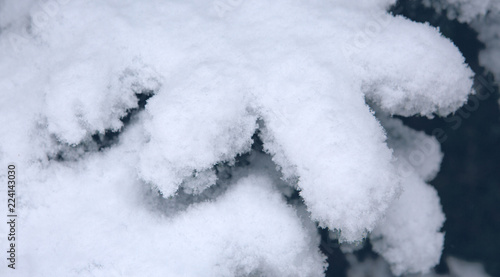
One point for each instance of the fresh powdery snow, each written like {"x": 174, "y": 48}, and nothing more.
{"x": 128, "y": 121}
{"x": 484, "y": 17}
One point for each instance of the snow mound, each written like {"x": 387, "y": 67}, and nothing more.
{"x": 415, "y": 152}
{"x": 431, "y": 64}
{"x": 484, "y": 17}
{"x": 249, "y": 230}
{"x": 187, "y": 131}
{"x": 298, "y": 73}
{"x": 409, "y": 236}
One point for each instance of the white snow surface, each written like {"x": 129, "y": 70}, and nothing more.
{"x": 484, "y": 17}
{"x": 115, "y": 228}
{"x": 409, "y": 236}
{"x": 299, "y": 71}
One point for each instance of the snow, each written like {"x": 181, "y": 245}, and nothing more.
{"x": 377, "y": 267}
{"x": 187, "y": 132}
{"x": 292, "y": 72}
{"x": 400, "y": 74}
{"x": 461, "y": 268}
{"x": 484, "y": 17}
{"x": 489, "y": 33}
{"x": 248, "y": 229}
{"x": 409, "y": 236}
{"x": 415, "y": 152}
{"x": 369, "y": 267}
{"x": 464, "y": 10}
